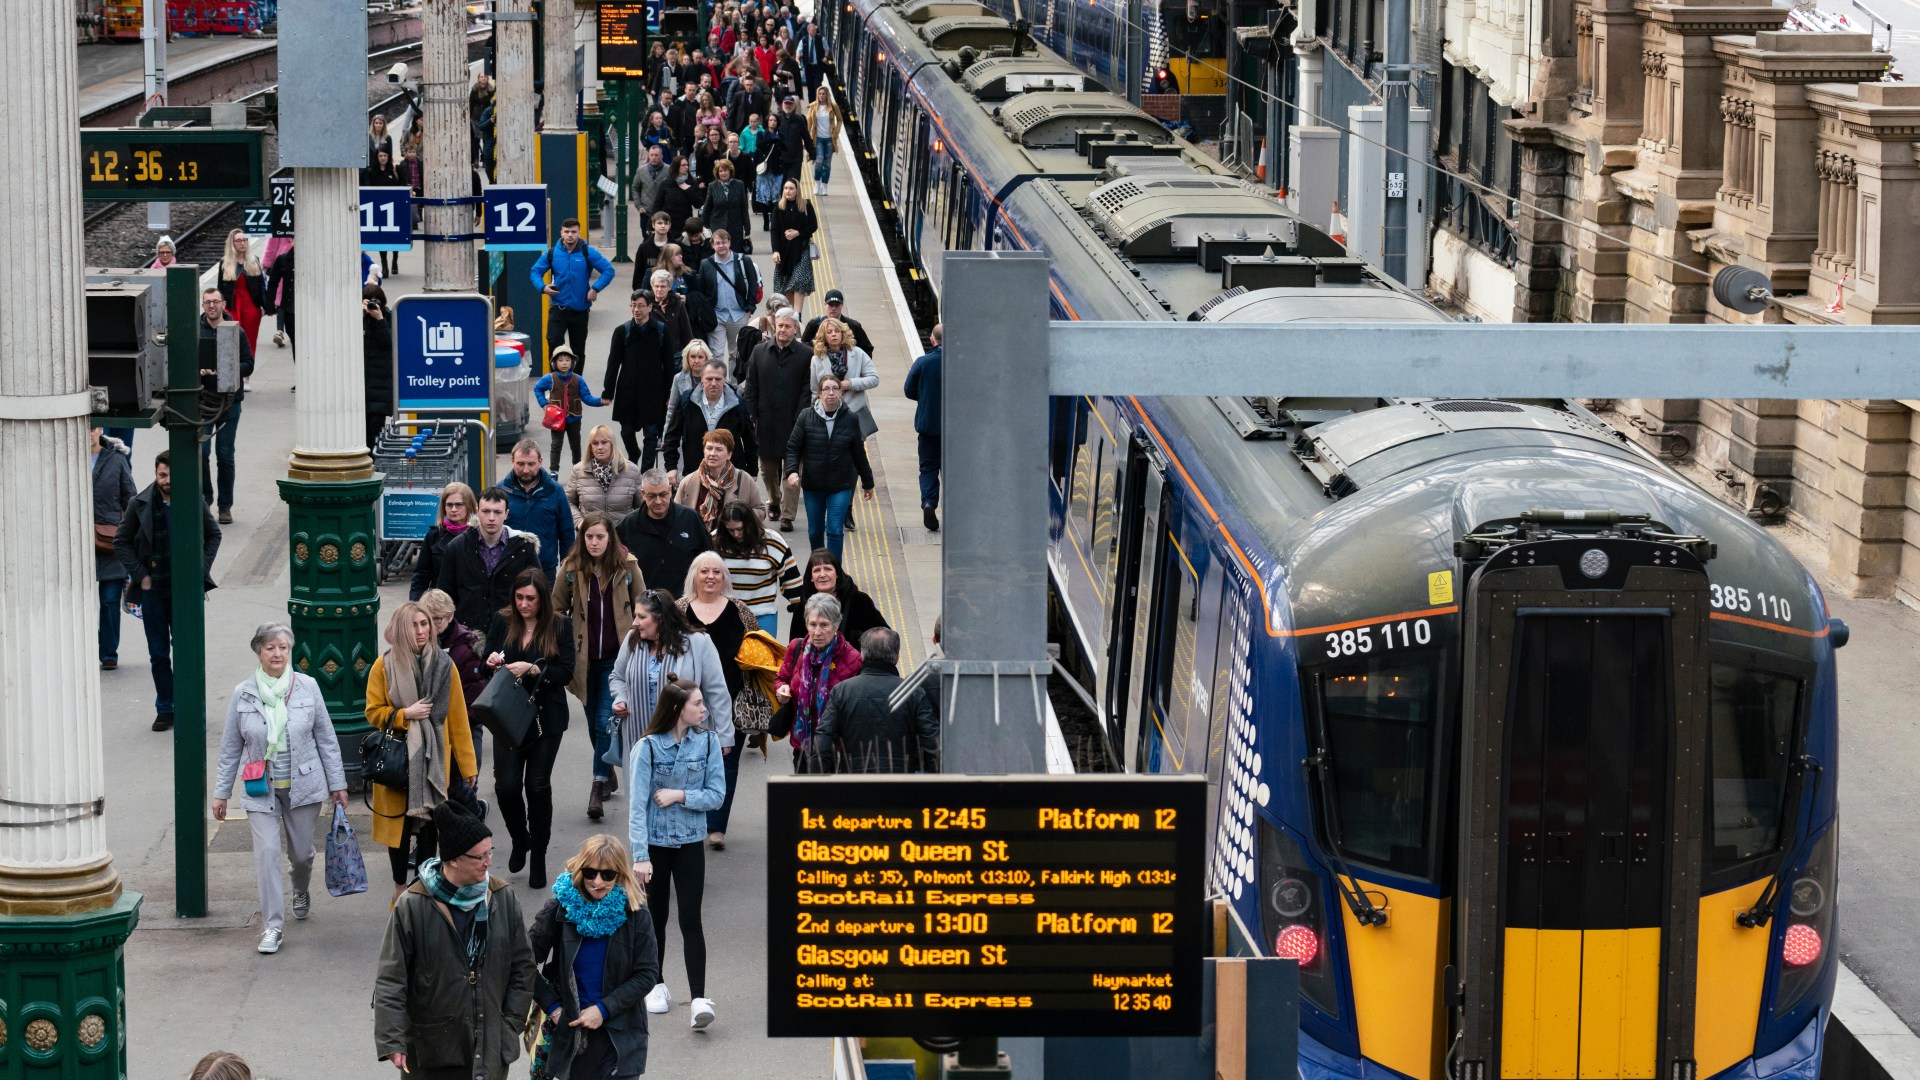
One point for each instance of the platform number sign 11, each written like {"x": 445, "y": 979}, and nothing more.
{"x": 516, "y": 217}
{"x": 384, "y": 222}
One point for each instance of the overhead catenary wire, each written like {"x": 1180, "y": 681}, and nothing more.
{"x": 1469, "y": 181}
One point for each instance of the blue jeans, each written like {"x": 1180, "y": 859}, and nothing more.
{"x": 220, "y": 448}
{"x": 730, "y": 764}
{"x": 827, "y": 514}
{"x": 929, "y": 471}
{"x": 822, "y": 160}
{"x": 599, "y": 709}
{"x": 157, "y": 616}
{"x": 110, "y": 594}
{"x": 770, "y": 624}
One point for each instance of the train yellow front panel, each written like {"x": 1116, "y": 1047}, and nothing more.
{"x": 1619, "y": 1002}
{"x": 1396, "y": 981}
{"x": 1540, "y": 1010}
{"x": 1733, "y": 966}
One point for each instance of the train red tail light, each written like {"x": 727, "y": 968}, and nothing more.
{"x": 1298, "y": 943}
{"x": 1802, "y": 945}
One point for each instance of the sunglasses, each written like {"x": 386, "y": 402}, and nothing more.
{"x": 594, "y": 873}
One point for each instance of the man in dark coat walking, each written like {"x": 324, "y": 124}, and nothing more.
{"x": 862, "y": 733}
{"x": 478, "y": 567}
{"x": 923, "y": 386}
{"x": 711, "y": 405}
{"x": 774, "y": 390}
{"x": 141, "y": 543}
{"x": 456, "y": 973}
{"x": 663, "y": 535}
{"x": 640, "y": 370}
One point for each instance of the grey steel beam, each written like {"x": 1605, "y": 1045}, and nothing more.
{"x": 994, "y": 551}
{"x": 1477, "y": 359}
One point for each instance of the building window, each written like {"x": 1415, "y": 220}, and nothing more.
{"x": 1474, "y": 142}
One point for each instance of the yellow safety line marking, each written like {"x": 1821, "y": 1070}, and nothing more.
{"x": 869, "y": 549}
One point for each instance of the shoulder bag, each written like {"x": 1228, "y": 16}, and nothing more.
{"x": 383, "y": 758}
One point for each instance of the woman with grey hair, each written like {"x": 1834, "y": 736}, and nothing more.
{"x": 813, "y": 666}
{"x": 280, "y": 743}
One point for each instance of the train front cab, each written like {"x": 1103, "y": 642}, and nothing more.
{"x": 1626, "y": 793}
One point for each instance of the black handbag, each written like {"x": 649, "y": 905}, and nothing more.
{"x": 782, "y": 724}
{"x": 383, "y": 758}
{"x": 508, "y": 710}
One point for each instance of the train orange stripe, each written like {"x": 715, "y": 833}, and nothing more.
{"x": 1795, "y": 631}
{"x": 1452, "y": 609}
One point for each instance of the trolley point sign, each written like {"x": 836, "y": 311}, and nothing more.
{"x": 443, "y": 353}
{"x": 985, "y": 906}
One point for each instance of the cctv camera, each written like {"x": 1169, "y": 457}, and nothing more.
{"x": 397, "y": 73}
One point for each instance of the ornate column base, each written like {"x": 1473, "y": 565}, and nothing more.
{"x": 60, "y": 890}
{"x": 334, "y": 600}
{"x": 63, "y": 991}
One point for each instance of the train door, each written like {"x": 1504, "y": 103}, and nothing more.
{"x": 1143, "y": 555}
{"x": 1582, "y": 781}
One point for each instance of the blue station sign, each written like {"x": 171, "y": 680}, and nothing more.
{"x": 516, "y": 217}
{"x": 443, "y": 353}
{"x": 384, "y": 224}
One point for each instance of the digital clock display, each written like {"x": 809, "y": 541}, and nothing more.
{"x": 985, "y": 906}
{"x": 170, "y": 165}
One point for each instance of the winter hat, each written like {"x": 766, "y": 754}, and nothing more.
{"x": 165, "y": 241}
{"x": 460, "y": 832}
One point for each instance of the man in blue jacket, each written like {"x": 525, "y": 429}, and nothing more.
{"x": 536, "y": 505}
{"x": 923, "y": 386}
{"x": 571, "y": 262}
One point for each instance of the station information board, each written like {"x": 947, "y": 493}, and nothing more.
{"x": 621, "y": 39}
{"x": 170, "y": 164}
{"x": 985, "y": 906}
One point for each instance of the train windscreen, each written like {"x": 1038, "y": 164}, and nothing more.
{"x": 1750, "y": 754}
{"x": 1378, "y": 721}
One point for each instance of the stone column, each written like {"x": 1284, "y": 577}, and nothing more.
{"x": 561, "y": 99}
{"x": 515, "y": 157}
{"x": 1868, "y": 504}
{"x": 330, "y": 489}
{"x": 446, "y": 117}
{"x": 63, "y": 915}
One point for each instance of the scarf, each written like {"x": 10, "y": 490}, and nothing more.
{"x": 471, "y": 898}
{"x": 410, "y": 679}
{"x": 713, "y": 495}
{"x": 273, "y": 699}
{"x": 838, "y": 362}
{"x": 453, "y": 528}
{"x": 593, "y": 918}
{"x": 817, "y": 664}
{"x": 603, "y": 472}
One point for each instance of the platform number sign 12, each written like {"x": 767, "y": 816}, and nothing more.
{"x": 516, "y": 217}
{"x": 384, "y": 224}
{"x": 280, "y": 205}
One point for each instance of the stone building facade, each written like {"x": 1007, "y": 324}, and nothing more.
{"x": 1679, "y": 138}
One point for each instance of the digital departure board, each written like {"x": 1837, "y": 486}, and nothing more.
{"x": 985, "y": 906}
{"x": 621, "y": 44}
{"x": 170, "y": 164}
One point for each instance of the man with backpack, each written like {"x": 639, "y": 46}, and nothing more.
{"x": 727, "y": 286}
{"x": 571, "y": 263}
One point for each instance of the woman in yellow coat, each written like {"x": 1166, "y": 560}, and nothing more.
{"x": 414, "y": 689}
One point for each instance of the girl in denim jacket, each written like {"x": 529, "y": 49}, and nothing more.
{"x": 675, "y": 775}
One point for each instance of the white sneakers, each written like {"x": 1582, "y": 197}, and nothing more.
{"x": 659, "y": 999}
{"x": 270, "y": 941}
{"x": 702, "y": 1013}
{"x": 301, "y": 904}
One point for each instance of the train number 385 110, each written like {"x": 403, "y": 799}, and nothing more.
{"x": 1404, "y": 634}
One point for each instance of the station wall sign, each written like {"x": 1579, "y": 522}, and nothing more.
{"x": 516, "y": 217}
{"x": 384, "y": 224}
{"x": 930, "y": 906}
{"x": 443, "y": 353}
{"x": 280, "y": 199}
{"x": 171, "y": 164}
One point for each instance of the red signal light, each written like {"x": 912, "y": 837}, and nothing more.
{"x": 1802, "y": 946}
{"x": 1298, "y": 943}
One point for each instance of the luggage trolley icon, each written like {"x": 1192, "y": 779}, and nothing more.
{"x": 441, "y": 342}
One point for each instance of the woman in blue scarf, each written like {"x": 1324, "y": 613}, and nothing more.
{"x": 594, "y": 951}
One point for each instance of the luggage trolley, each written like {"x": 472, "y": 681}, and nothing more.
{"x": 417, "y": 467}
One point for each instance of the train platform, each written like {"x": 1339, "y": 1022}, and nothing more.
{"x": 197, "y": 984}
{"x": 108, "y": 78}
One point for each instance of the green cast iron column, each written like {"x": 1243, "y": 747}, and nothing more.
{"x": 63, "y": 981}
{"x": 334, "y": 598}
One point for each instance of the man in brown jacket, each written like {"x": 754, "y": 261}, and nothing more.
{"x": 456, "y": 970}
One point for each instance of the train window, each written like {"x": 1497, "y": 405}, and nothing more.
{"x": 1179, "y": 640}
{"x": 1753, "y": 716}
{"x": 1378, "y": 721}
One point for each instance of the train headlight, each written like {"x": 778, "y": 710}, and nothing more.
{"x": 1297, "y": 943}
{"x": 1809, "y": 898}
{"x": 1801, "y": 947}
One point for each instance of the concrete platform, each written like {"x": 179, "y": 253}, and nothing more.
{"x": 197, "y": 985}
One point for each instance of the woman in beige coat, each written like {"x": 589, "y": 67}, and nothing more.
{"x": 605, "y": 481}
{"x": 595, "y": 588}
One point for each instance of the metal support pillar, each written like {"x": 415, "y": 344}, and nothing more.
{"x": 1134, "y": 72}
{"x": 1398, "y": 92}
{"x": 994, "y": 558}
{"x": 186, "y": 554}
{"x": 64, "y": 918}
{"x": 153, "y": 46}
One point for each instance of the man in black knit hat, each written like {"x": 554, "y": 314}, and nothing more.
{"x": 456, "y": 970}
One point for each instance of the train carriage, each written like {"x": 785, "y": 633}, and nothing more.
{"x": 1519, "y": 743}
